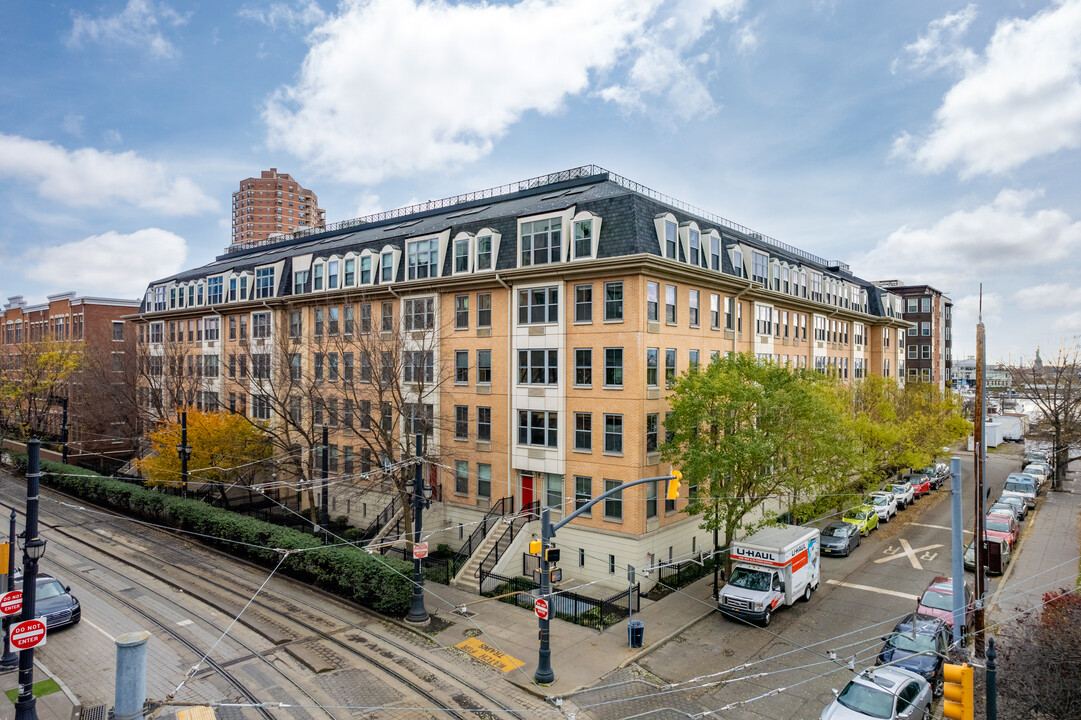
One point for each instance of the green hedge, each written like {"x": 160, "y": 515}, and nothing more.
{"x": 345, "y": 571}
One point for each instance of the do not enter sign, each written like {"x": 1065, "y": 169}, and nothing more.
{"x": 541, "y": 608}
{"x": 28, "y": 634}
{"x": 11, "y": 602}
{"x": 420, "y": 551}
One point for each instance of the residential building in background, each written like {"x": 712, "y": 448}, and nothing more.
{"x": 273, "y": 204}
{"x": 929, "y": 344}
{"x": 998, "y": 377}
{"x": 546, "y": 319}
{"x": 103, "y": 424}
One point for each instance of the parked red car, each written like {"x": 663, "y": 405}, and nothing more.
{"x": 1001, "y": 526}
{"x": 937, "y": 600}
{"x": 921, "y": 485}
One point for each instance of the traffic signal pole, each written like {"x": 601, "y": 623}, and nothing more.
{"x": 545, "y": 675}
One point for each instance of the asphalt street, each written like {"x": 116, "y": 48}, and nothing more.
{"x": 861, "y": 598}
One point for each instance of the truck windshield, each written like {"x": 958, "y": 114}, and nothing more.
{"x": 750, "y": 579}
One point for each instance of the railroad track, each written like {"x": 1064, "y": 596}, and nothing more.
{"x": 295, "y": 622}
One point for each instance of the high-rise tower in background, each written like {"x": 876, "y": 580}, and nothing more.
{"x": 272, "y": 204}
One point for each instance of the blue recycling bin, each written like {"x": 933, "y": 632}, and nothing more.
{"x": 636, "y": 632}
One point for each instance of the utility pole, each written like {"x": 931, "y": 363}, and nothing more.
{"x": 10, "y": 659}
{"x": 418, "y": 495}
{"x": 978, "y": 464}
{"x": 184, "y": 451}
{"x": 33, "y": 550}
{"x": 324, "y": 516}
{"x": 544, "y": 674}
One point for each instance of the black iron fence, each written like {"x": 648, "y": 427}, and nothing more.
{"x": 436, "y": 568}
{"x": 571, "y": 606}
{"x": 673, "y": 577}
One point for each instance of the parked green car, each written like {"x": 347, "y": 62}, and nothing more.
{"x": 862, "y": 516}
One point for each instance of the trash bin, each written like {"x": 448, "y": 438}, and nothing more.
{"x": 636, "y": 631}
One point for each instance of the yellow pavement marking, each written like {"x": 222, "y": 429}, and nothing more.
{"x": 881, "y": 591}
{"x": 199, "y": 712}
{"x": 487, "y": 654}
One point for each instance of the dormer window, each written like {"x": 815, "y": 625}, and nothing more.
{"x": 264, "y": 282}
{"x": 300, "y": 282}
{"x": 332, "y": 275}
{"x": 759, "y": 263}
{"x": 386, "y": 273}
{"x": 420, "y": 258}
{"x": 715, "y": 252}
{"x": 317, "y": 277}
{"x": 365, "y": 269}
{"x": 737, "y": 261}
{"x": 484, "y": 252}
{"x": 695, "y": 242}
{"x": 583, "y": 238}
{"x": 461, "y": 254}
{"x": 670, "y": 240}
{"x": 350, "y": 273}
{"x": 214, "y": 287}
{"x": 541, "y": 241}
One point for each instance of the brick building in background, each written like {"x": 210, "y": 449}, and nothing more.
{"x": 550, "y": 314}
{"x": 930, "y": 339}
{"x": 273, "y": 204}
{"x": 103, "y": 419}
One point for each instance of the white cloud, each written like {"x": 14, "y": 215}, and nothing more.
{"x": 940, "y": 48}
{"x": 137, "y": 25}
{"x": 966, "y": 311}
{"x": 969, "y": 245}
{"x": 302, "y": 14}
{"x": 112, "y": 137}
{"x": 111, "y": 264}
{"x": 1069, "y": 323}
{"x": 747, "y": 38}
{"x": 91, "y": 178}
{"x": 367, "y": 204}
{"x": 393, "y": 87}
{"x": 1047, "y": 295}
{"x": 1021, "y": 100}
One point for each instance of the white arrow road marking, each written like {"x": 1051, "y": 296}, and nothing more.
{"x": 880, "y": 591}
{"x": 908, "y": 551}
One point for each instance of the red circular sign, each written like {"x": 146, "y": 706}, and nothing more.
{"x": 420, "y": 550}
{"x": 27, "y": 634}
{"x": 541, "y": 608}
{"x": 11, "y": 602}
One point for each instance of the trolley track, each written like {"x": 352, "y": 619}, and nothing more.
{"x": 415, "y": 671}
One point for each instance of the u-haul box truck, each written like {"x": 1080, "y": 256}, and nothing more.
{"x": 770, "y": 569}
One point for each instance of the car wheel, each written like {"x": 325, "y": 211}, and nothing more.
{"x": 767, "y": 618}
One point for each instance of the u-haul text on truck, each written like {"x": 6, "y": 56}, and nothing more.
{"x": 770, "y": 569}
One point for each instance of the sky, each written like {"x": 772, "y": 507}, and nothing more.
{"x": 930, "y": 142}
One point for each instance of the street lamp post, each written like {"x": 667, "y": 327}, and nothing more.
{"x": 420, "y": 494}
{"x": 64, "y": 431}
{"x": 324, "y": 516}
{"x": 33, "y": 550}
{"x": 184, "y": 451}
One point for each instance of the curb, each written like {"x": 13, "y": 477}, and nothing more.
{"x": 76, "y": 705}
{"x": 664, "y": 640}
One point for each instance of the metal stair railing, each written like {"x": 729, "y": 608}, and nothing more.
{"x": 499, "y": 509}
{"x": 529, "y": 512}
{"x": 383, "y": 517}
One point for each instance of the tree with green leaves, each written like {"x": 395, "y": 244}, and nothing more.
{"x": 744, "y": 432}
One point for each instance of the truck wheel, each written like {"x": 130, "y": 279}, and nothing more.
{"x": 807, "y": 593}
{"x": 766, "y": 619}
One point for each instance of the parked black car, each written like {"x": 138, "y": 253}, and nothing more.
{"x": 54, "y": 602}
{"x": 840, "y": 538}
{"x": 918, "y": 643}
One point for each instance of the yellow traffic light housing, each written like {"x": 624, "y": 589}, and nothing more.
{"x": 534, "y": 547}
{"x": 552, "y": 555}
{"x": 957, "y": 700}
{"x": 673, "y": 485}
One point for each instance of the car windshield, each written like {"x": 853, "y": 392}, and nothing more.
{"x": 836, "y": 530}
{"x": 856, "y": 514}
{"x": 937, "y": 600}
{"x": 866, "y": 700}
{"x": 997, "y": 525}
{"x": 1018, "y": 487}
{"x": 1004, "y": 508}
{"x": 907, "y": 642}
{"x": 49, "y": 588}
{"x": 900, "y": 488}
{"x": 750, "y": 579}
{"x": 1034, "y": 470}
{"x": 1011, "y": 500}
{"x": 879, "y": 500}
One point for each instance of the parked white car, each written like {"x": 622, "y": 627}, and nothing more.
{"x": 904, "y": 493}
{"x": 1038, "y": 472}
{"x": 885, "y": 504}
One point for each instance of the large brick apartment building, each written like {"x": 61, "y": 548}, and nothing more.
{"x": 929, "y": 346}
{"x": 560, "y": 308}
{"x": 273, "y": 204}
{"x": 102, "y": 424}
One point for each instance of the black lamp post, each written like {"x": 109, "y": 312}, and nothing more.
{"x": 420, "y": 494}
{"x": 33, "y": 549}
{"x": 183, "y": 450}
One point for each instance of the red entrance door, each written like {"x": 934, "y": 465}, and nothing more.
{"x": 527, "y": 489}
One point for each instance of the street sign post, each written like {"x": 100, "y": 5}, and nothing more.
{"x": 541, "y": 608}
{"x": 28, "y": 634}
{"x": 420, "y": 550}
{"x": 11, "y": 603}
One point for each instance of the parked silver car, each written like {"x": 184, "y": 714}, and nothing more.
{"x": 884, "y": 693}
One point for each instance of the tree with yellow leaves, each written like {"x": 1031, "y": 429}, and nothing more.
{"x": 227, "y": 450}
{"x": 32, "y": 374}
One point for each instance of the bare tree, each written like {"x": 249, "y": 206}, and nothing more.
{"x": 1054, "y": 386}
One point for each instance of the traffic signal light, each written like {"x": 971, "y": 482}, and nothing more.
{"x": 957, "y": 702}
{"x": 534, "y": 547}
{"x": 673, "y": 485}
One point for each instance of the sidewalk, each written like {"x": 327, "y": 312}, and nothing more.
{"x": 58, "y": 704}
{"x": 581, "y": 656}
{"x": 1048, "y": 556}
